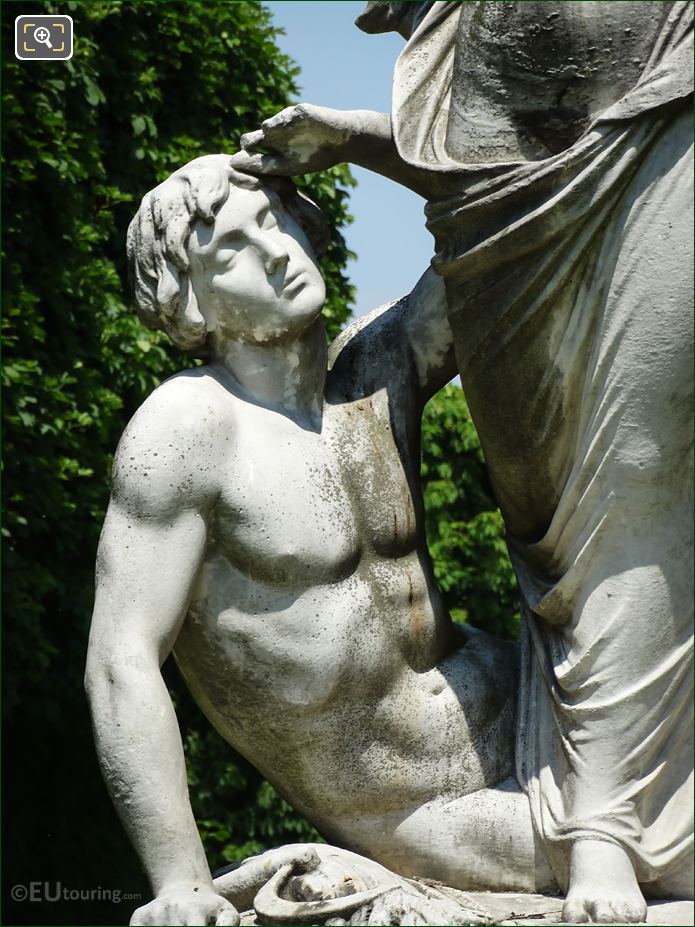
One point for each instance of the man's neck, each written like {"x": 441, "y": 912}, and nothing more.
{"x": 287, "y": 375}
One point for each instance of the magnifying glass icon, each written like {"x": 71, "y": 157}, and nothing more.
{"x": 42, "y": 35}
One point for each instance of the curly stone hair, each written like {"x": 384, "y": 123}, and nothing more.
{"x": 158, "y": 264}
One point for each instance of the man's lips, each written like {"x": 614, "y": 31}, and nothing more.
{"x": 294, "y": 282}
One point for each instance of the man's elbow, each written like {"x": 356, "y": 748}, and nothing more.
{"x": 109, "y": 676}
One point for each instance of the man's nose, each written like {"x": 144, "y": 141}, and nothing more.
{"x": 275, "y": 258}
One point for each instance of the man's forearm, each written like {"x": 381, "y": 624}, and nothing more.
{"x": 141, "y": 757}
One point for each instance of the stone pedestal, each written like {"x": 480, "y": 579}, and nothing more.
{"x": 506, "y": 908}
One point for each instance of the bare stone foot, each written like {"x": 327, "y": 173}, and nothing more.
{"x": 603, "y": 888}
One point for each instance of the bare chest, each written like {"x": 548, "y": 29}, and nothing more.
{"x": 300, "y": 507}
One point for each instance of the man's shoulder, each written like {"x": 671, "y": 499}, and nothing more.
{"x": 373, "y": 348}
{"x": 187, "y": 399}
{"x": 173, "y": 439}
{"x": 192, "y": 404}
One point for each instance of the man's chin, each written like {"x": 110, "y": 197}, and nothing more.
{"x": 308, "y": 302}
{"x": 300, "y": 316}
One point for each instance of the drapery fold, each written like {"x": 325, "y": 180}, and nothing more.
{"x": 570, "y": 292}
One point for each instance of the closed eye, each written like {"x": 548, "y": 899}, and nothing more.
{"x": 266, "y": 219}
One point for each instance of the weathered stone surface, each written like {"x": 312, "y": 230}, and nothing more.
{"x": 538, "y": 909}
{"x": 508, "y": 909}
{"x": 266, "y": 523}
{"x": 554, "y": 144}
{"x": 266, "y": 520}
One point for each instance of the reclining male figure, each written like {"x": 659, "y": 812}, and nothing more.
{"x": 266, "y": 523}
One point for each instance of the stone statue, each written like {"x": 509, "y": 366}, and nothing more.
{"x": 553, "y": 141}
{"x": 266, "y": 523}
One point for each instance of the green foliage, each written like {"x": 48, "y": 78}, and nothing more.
{"x": 252, "y": 816}
{"x": 465, "y": 532}
{"x": 150, "y": 86}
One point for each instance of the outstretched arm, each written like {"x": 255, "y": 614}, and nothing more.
{"x": 303, "y": 139}
{"x": 150, "y": 551}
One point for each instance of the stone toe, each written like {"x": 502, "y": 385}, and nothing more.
{"x": 574, "y": 911}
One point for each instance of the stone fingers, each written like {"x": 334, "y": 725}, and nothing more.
{"x": 252, "y": 139}
{"x": 227, "y": 917}
{"x": 172, "y": 913}
{"x": 256, "y": 163}
{"x": 139, "y": 917}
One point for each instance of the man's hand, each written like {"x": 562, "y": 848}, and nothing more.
{"x": 303, "y": 138}
{"x": 187, "y": 905}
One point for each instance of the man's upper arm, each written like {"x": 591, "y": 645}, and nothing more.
{"x": 153, "y": 539}
{"x": 412, "y": 333}
{"x": 429, "y": 334}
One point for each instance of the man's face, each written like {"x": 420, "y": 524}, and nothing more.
{"x": 253, "y": 271}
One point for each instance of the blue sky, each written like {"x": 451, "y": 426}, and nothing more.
{"x": 346, "y": 69}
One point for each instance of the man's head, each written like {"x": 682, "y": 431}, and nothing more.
{"x": 211, "y": 247}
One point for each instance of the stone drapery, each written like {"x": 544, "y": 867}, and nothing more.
{"x": 569, "y": 284}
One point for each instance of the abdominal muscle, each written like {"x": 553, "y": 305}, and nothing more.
{"x": 353, "y": 697}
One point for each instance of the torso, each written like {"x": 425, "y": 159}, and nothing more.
{"x": 316, "y": 641}
{"x": 530, "y": 76}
